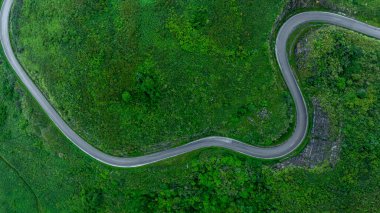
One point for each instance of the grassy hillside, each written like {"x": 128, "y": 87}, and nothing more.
{"x": 61, "y": 176}
{"x": 341, "y": 70}
{"x": 134, "y": 77}
{"x": 65, "y": 180}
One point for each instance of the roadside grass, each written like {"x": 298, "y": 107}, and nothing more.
{"x": 366, "y": 10}
{"x": 191, "y": 69}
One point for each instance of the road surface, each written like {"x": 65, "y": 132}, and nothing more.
{"x": 274, "y": 152}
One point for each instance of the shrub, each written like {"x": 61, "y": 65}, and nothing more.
{"x": 126, "y": 97}
{"x": 3, "y": 115}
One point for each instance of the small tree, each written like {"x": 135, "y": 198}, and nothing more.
{"x": 126, "y": 97}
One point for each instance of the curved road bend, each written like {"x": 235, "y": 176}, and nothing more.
{"x": 258, "y": 152}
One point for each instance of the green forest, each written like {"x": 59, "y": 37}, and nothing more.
{"x": 76, "y": 66}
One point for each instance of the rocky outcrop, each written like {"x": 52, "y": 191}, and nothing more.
{"x": 321, "y": 148}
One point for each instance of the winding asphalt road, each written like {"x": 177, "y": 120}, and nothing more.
{"x": 279, "y": 151}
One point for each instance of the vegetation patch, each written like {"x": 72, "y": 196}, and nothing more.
{"x": 130, "y": 76}
{"x": 15, "y": 195}
{"x": 213, "y": 178}
{"x": 368, "y": 10}
{"x": 66, "y": 180}
{"x": 341, "y": 69}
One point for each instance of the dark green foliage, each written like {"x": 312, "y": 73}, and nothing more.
{"x": 126, "y": 97}
{"x": 15, "y": 195}
{"x": 361, "y": 93}
{"x": 245, "y": 110}
{"x": 224, "y": 184}
{"x": 147, "y": 81}
{"x": 92, "y": 199}
{"x": 3, "y": 114}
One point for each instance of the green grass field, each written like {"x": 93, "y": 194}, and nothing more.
{"x": 342, "y": 70}
{"x": 134, "y": 77}
{"x": 15, "y": 194}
